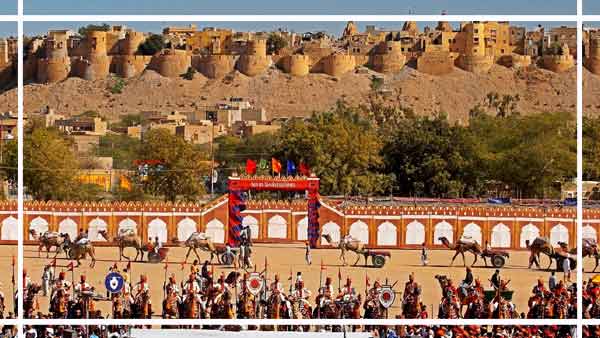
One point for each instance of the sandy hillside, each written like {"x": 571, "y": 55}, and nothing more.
{"x": 591, "y": 93}
{"x": 283, "y": 95}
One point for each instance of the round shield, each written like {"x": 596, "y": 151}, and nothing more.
{"x": 387, "y": 296}
{"x": 114, "y": 282}
{"x": 254, "y": 283}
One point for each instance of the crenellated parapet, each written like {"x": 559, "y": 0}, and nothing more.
{"x": 255, "y": 60}
{"x": 296, "y": 64}
{"x": 435, "y": 61}
{"x": 171, "y": 62}
{"x": 592, "y": 62}
{"x": 475, "y": 63}
{"x": 214, "y": 66}
{"x": 338, "y": 64}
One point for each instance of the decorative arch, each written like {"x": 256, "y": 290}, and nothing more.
{"x": 472, "y": 231}
{"x": 415, "y": 233}
{"x": 443, "y": 229}
{"x": 38, "y": 224}
{"x": 127, "y": 224}
{"x": 277, "y": 227}
{"x": 158, "y": 228}
{"x": 302, "y": 229}
{"x": 500, "y": 236}
{"x": 360, "y": 230}
{"x": 559, "y": 233}
{"x": 94, "y": 227}
{"x": 333, "y": 230}
{"x": 10, "y": 228}
{"x": 387, "y": 234}
{"x": 528, "y": 233}
{"x": 252, "y": 222}
{"x": 185, "y": 228}
{"x": 589, "y": 232}
{"x": 216, "y": 231}
{"x": 68, "y": 226}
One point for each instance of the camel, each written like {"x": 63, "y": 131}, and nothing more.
{"x": 461, "y": 247}
{"x": 126, "y": 239}
{"x": 199, "y": 240}
{"x": 78, "y": 252}
{"x": 542, "y": 245}
{"x": 347, "y": 245}
{"x": 590, "y": 249}
{"x": 47, "y": 240}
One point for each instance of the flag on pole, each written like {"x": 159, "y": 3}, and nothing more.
{"x": 128, "y": 265}
{"x": 166, "y": 265}
{"x": 263, "y": 165}
{"x": 291, "y": 167}
{"x": 323, "y": 268}
{"x": 304, "y": 169}
{"x": 70, "y": 266}
{"x": 250, "y": 167}
{"x": 276, "y": 166}
{"x": 53, "y": 263}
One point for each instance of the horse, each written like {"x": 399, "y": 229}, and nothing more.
{"x": 141, "y": 308}
{"x": 170, "y": 306}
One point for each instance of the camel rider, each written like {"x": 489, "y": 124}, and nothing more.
{"x": 276, "y": 288}
{"x": 301, "y": 293}
{"x": 375, "y": 290}
{"x": 347, "y": 292}
{"x": 467, "y": 282}
{"x": 560, "y": 289}
{"x": 326, "y": 292}
{"x": 26, "y": 284}
{"x": 82, "y": 238}
{"x": 195, "y": 269}
{"x": 82, "y": 287}
{"x": 539, "y": 288}
{"x": 450, "y": 288}
{"x": 478, "y": 288}
{"x": 142, "y": 287}
{"x": 173, "y": 288}
{"x": 61, "y": 283}
{"x": 191, "y": 285}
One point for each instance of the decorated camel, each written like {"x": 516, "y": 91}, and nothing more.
{"x": 47, "y": 240}
{"x": 542, "y": 245}
{"x": 590, "y": 249}
{"x": 126, "y": 239}
{"x": 461, "y": 247}
{"x": 348, "y": 244}
{"x": 78, "y": 251}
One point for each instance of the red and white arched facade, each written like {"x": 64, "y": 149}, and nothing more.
{"x": 283, "y": 221}
{"x": 591, "y": 224}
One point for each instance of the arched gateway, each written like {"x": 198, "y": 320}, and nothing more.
{"x": 237, "y": 185}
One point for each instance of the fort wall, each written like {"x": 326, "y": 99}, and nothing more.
{"x": 214, "y": 66}
{"x": 475, "y": 63}
{"x": 171, "y": 63}
{"x": 297, "y": 64}
{"x": 255, "y": 61}
{"x": 558, "y": 63}
{"x": 592, "y": 62}
{"x": 338, "y": 64}
{"x": 435, "y": 62}
{"x": 388, "y": 58}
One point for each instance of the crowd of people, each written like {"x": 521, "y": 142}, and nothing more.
{"x": 203, "y": 294}
{"x": 400, "y": 331}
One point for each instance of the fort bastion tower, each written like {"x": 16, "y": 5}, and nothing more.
{"x": 55, "y": 65}
{"x": 129, "y": 63}
{"x": 255, "y": 60}
{"x": 95, "y": 64}
{"x": 592, "y": 62}
{"x": 216, "y": 64}
{"x": 388, "y": 57}
{"x": 475, "y": 58}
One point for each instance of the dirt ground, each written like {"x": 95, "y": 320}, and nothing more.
{"x": 7, "y": 252}
{"x": 285, "y": 258}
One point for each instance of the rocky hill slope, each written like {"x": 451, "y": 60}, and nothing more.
{"x": 284, "y": 95}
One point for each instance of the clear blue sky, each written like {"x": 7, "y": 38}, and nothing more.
{"x": 364, "y": 7}
{"x": 8, "y": 7}
{"x": 8, "y": 29}
{"x": 332, "y": 27}
{"x": 591, "y": 7}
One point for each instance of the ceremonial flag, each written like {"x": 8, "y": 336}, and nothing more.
{"x": 53, "y": 263}
{"x": 70, "y": 266}
{"x": 128, "y": 265}
{"x": 367, "y": 282}
{"x": 339, "y": 273}
{"x": 323, "y": 266}
{"x": 166, "y": 265}
{"x": 276, "y": 166}
{"x": 304, "y": 169}
{"x": 182, "y": 265}
{"x": 263, "y": 164}
{"x": 291, "y": 167}
{"x": 250, "y": 167}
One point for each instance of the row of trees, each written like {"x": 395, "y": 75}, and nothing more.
{"x": 366, "y": 150}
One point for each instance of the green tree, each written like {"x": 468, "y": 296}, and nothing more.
{"x": 342, "y": 149}
{"x": 181, "y": 170}
{"x": 591, "y": 148}
{"x": 122, "y": 148}
{"x": 275, "y": 42}
{"x": 152, "y": 45}
{"x": 49, "y": 166}
{"x": 82, "y": 31}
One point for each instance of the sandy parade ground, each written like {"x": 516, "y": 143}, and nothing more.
{"x": 285, "y": 258}
{"x": 7, "y": 252}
